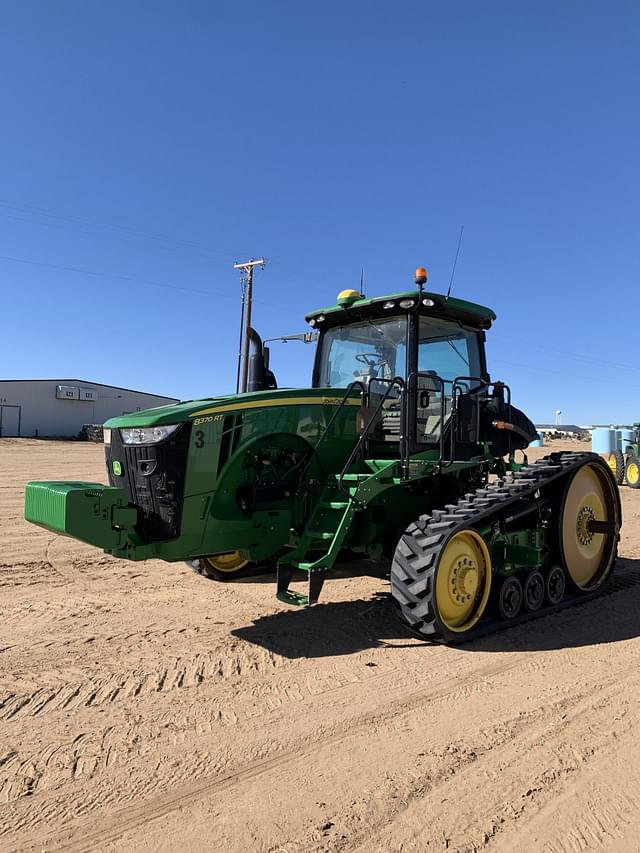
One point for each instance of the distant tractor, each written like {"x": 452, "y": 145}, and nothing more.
{"x": 403, "y": 448}
{"x": 624, "y": 461}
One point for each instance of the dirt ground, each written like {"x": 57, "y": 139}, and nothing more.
{"x": 145, "y": 708}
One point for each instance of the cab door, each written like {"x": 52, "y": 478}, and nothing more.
{"x": 450, "y": 366}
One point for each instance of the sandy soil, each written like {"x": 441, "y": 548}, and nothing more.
{"x": 145, "y": 708}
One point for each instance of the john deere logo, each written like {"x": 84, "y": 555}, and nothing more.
{"x": 117, "y": 468}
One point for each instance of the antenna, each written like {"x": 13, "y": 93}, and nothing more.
{"x": 455, "y": 261}
{"x": 362, "y": 282}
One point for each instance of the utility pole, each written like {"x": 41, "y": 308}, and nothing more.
{"x": 246, "y": 274}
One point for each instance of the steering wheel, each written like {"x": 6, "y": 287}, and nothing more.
{"x": 365, "y": 358}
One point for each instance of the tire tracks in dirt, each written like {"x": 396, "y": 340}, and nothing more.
{"x": 541, "y": 765}
{"x": 463, "y": 686}
{"x": 199, "y": 713}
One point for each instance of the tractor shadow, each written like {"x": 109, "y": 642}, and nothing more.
{"x": 331, "y": 629}
{"x": 346, "y": 627}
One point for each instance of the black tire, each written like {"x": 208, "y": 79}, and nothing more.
{"x": 204, "y": 568}
{"x": 632, "y": 472}
{"x": 509, "y": 598}
{"x": 555, "y": 585}
{"x": 420, "y": 559}
{"x": 616, "y": 463}
{"x": 533, "y": 590}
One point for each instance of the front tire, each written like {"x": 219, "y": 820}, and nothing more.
{"x": 223, "y": 567}
{"x": 632, "y": 472}
{"x": 615, "y": 461}
{"x": 439, "y": 581}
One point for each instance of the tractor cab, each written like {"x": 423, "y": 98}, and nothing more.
{"x": 418, "y": 359}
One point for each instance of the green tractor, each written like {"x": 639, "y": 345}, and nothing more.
{"x": 625, "y": 460}
{"x": 402, "y": 449}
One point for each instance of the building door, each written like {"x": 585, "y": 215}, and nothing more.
{"x": 10, "y": 417}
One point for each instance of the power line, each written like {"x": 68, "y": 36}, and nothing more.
{"x": 135, "y": 241}
{"x": 133, "y": 279}
{"x": 32, "y": 209}
{"x": 579, "y": 356}
{"x": 538, "y": 369}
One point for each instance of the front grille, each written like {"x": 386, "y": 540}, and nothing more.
{"x": 153, "y": 477}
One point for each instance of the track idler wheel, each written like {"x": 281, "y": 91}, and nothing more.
{"x": 509, "y": 599}
{"x": 555, "y": 585}
{"x": 589, "y": 526}
{"x": 533, "y": 592}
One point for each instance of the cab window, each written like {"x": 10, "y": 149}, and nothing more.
{"x": 447, "y": 349}
{"x": 365, "y": 351}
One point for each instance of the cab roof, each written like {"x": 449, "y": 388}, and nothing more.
{"x": 469, "y": 313}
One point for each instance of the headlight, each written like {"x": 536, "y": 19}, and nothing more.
{"x": 147, "y": 435}
{"x": 106, "y": 435}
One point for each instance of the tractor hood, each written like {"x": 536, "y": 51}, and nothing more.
{"x": 194, "y": 410}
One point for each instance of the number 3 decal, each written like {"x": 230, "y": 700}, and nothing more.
{"x": 199, "y": 439}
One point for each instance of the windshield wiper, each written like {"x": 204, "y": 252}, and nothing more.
{"x": 457, "y": 351}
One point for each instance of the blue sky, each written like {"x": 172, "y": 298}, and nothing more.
{"x": 150, "y": 143}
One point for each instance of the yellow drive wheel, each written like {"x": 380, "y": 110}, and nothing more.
{"x": 615, "y": 461}
{"x": 589, "y": 555}
{"x": 223, "y": 567}
{"x": 632, "y": 472}
{"x": 463, "y": 581}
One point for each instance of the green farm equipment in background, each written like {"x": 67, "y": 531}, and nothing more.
{"x": 624, "y": 461}
{"x": 402, "y": 449}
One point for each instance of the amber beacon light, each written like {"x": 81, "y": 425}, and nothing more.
{"x": 421, "y": 276}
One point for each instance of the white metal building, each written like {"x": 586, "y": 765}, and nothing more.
{"x": 60, "y": 407}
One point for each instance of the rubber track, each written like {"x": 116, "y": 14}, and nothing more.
{"x": 416, "y": 557}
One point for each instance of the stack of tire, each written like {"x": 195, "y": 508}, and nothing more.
{"x": 91, "y": 432}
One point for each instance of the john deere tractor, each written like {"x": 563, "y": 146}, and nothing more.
{"x": 402, "y": 449}
{"x": 625, "y": 460}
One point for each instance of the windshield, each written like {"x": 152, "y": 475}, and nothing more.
{"x": 376, "y": 349}
{"x": 371, "y": 349}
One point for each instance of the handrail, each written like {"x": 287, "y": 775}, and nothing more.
{"x": 396, "y": 381}
{"x": 457, "y": 392}
{"x": 482, "y": 385}
{"x": 332, "y": 420}
{"x": 413, "y": 381}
